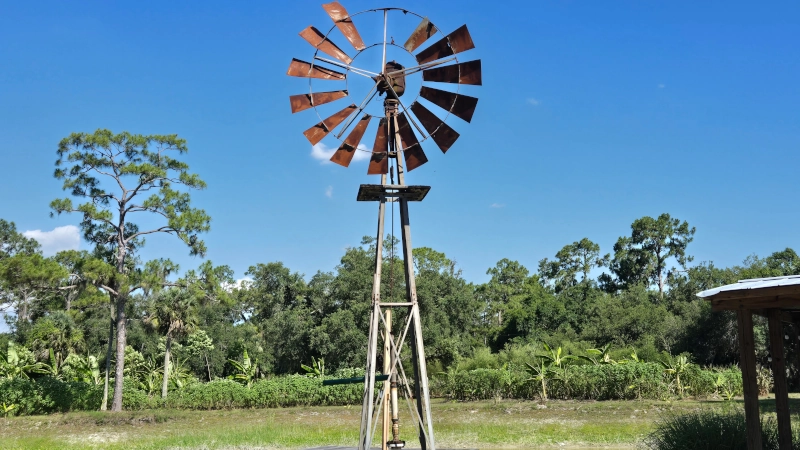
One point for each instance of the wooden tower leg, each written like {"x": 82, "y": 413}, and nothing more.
{"x": 365, "y": 434}
{"x": 387, "y": 359}
{"x": 417, "y": 347}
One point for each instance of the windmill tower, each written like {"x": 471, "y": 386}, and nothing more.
{"x": 399, "y": 122}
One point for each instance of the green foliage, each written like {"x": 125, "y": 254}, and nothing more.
{"x": 316, "y": 369}
{"x": 118, "y": 176}
{"x": 491, "y": 333}
{"x": 84, "y": 369}
{"x": 56, "y": 334}
{"x": 712, "y": 430}
{"x": 18, "y": 362}
{"x": 7, "y": 409}
{"x": 580, "y": 257}
{"x": 285, "y": 391}
{"x": 198, "y": 343}
{"x": 47, "y": 395}
{"x": 764, "y": 380}
{"x": 630, "y": 380}
{"x": 674, "y": 367}
{"x": 246, "y": 370}
{"x": 642, "y": 257}
{"x": 13, "y": 242}
{"x": 26, "y": 281}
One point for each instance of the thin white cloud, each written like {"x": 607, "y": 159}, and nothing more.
{"x": 497, "y": 205}
{"x": 363, "y": 153}
{"x": 323, "y": 153}
{"x": 661, "y": 86}
{"x": 533, "y": 101}
{"x": 60, "y": 238}
{"x": 329, "y": 192}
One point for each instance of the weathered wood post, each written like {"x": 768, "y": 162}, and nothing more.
{"x": 779, "y": 376}
{"x": 747, "y": 358}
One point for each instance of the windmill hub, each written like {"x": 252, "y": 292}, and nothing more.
{"x": 394, "y": 76}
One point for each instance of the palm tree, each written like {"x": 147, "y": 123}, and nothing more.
{"x": 172, "y": 312}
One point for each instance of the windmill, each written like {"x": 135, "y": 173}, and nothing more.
{"x": 433, "y": 56}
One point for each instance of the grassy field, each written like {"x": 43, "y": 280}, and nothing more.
{"x": 484, "y": 425}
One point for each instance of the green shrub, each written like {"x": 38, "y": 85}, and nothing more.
{"x": 47, "y": 395}
{"x": 284, "y": 391}
{"x": 586, "y": 382}
{"x": 711, "y": 430}
{"x": 218, "y": 394}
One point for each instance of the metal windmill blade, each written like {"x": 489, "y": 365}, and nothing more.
{"x": 424, "y": 31}
{"x": 344, "y": 23}
{"x": 344, "y": 154}
{"x": 460, "y": 105}
{"x": 456, "y": 42}
{"x": 379, "y": 160}
{"x": 321, "y": 42}
{"x": 412, "y": 150}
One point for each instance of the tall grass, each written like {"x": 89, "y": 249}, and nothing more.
{"x": 711, "y": 430}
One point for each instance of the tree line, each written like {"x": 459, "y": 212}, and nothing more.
{"x": 120, "y": 318}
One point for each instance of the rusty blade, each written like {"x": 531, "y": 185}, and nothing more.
{"x": 318, "y": 40}
{"x": 344, "y": 23}
{"x": 422, "y": 33}
{"x": 299, "y": 68}
{"x": 460, "y": 105}
{"x": 465, "y": 73}
{"x": 301, "y": 102}
{"x": 379, "y": 162}
{"x": 456, "y": 42}
{"x": 345, "y": 153}
{"x": 320, "y": 130}
{"x": 412, "y": 152}
{"x": 442, "y": 134}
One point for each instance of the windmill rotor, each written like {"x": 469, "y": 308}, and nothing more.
{"x": 430, "y": 58}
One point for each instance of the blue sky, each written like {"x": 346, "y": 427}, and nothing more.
{"x": 592, "y": 115}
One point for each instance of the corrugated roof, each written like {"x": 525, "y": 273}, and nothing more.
{"x": 754, "y": 283}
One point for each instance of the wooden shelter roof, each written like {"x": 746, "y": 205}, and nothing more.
{"x": 756, "y": 294}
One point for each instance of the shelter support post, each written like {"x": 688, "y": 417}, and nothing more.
{"x": 794, "y": 336}
{"x": 779, "y": 377}
{"x": 747, "y": 360}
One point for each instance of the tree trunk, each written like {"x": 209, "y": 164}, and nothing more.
{"x": 208, "y": 366}
{"x": 22, "y": 316}
{"x": 165, "y": 383}
{"x": 104, "y": 405}
{"x": 120, "y": 365}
